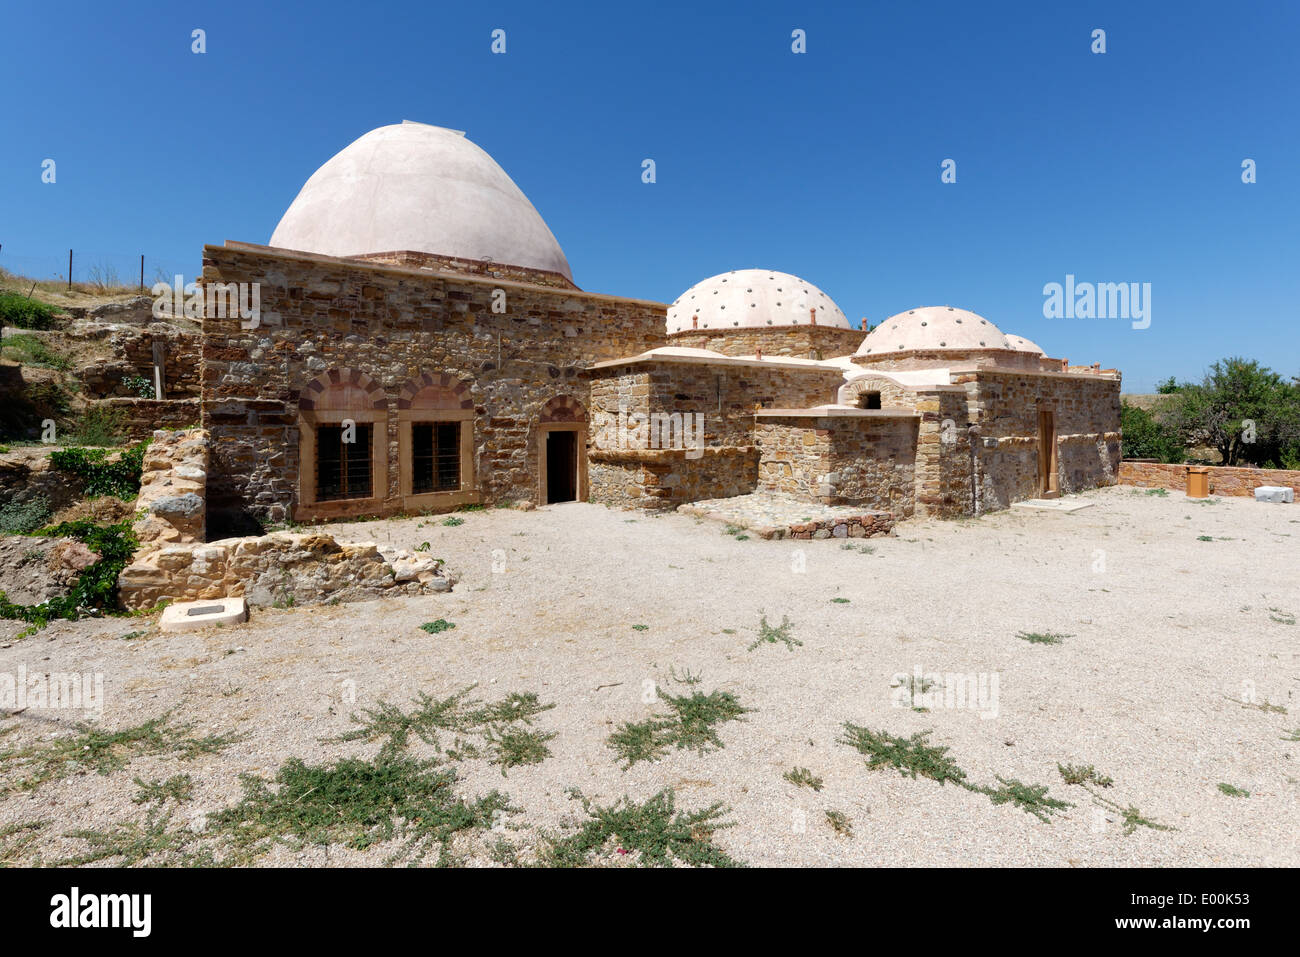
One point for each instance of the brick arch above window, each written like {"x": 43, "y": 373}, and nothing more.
{"x": 563, "y": 408}
{"x": 851, "y": 392}
{"x": 342, "y": 390}
{"x": 435, "y": 391}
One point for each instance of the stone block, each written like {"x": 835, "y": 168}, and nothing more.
{"x": 1274, "y": 493}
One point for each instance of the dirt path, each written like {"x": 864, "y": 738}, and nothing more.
{"x": 1164, "y": 635}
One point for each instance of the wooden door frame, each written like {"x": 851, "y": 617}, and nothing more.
{"x": 1048, "y": 481}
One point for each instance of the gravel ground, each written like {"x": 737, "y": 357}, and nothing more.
{"x": 1165, "y": 634}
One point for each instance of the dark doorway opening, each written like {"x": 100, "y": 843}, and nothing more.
{"x": 561, "y": 466}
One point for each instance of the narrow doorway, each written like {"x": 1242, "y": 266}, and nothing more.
{"x": 1047, "y": 487}
{"x": 561, "y": 466}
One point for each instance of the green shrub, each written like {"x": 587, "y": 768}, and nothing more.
{"x": 20, "y": 518}
{"x": 138, "y": 386}
{"x": 120, "y": 478}
{"x": 17, "y": 310}
{"x": 96, "y": 587}
{"x": 1146, "y": 438}
{"x": 98, "y": 425}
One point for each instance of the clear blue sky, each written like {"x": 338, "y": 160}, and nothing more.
{"x": 1117, "y": 167}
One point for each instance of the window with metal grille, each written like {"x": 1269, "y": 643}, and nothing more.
{"x": 343, "y": 468}
{"x": 435, "y": 456}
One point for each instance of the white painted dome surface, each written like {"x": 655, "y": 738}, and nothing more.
{"x": 421, "y": 188}
{"x": 750, "y": 298}
{"x": 1021, "y": 344}
{"x": 932, "y": 328}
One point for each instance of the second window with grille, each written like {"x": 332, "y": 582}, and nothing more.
{"x": 435, "y": 456}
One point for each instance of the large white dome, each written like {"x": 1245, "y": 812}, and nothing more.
{"x": 421, "y": 188}
{"x": 745, "y": 298}
{"x": 932, "y": 328}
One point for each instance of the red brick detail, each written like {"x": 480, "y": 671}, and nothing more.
{"x": 344, "y": 384}
{"x": 563, "y": 408}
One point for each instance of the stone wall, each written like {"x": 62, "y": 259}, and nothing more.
{"x": 280, "y": 570}
{"x": 25, "y": 474}
{"x": 182, "y": 372}
{"x": 173, "y": 489}
{"x": 133, "y": 352}
{"x": 726, "y": 396}
{"x": 665, "y": 478}
{"x": 395, "y": 324}
{"x": 470, "y": 267}
{"x": 1224, "y": 480}
{"x": 910, "y": 359}
{"x": 803, "y": 342}
{"x": 1005, "y": 406}
{"x": 142, "y": 417}
{"x": 858, "y": 460}
{"x": 625, "y": 467}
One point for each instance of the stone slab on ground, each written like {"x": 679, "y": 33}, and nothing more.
{"x": 189, "y": 615}
{"x": 773, "y": 515}
{"x": 1274, "y": 493}
{"x": 1052, "y": 504}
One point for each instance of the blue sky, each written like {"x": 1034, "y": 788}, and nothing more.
{"x": 1119, "y": 167}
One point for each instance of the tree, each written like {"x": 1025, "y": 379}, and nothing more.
{"x": 1246, "y": 411}
{"x": 1145, "y": 437}
{"x": 1168, "y": 387}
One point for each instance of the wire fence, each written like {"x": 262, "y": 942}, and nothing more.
{"x": 106, "y": 270}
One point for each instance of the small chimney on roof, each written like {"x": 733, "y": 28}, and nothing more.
{"x": 812, "y": 315}
{"x": 695, "y": 322}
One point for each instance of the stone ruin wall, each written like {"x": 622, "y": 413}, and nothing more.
{"x": 394, "y": 325}
{"x": 133, "y": 354}
{"x": 174, "y": 563}
{"x": 172, "y": 504}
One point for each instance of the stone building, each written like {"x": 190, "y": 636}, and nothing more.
{"x": 421, "y": 345}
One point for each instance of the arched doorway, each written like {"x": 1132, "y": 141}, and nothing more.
{"x": 562, "y": 451}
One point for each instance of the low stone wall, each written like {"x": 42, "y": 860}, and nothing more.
{"x": 140, "y": 417}
{"x": 1224, "y": 480}
{"x": 665, "y": 478}
{"x": 280, "y": 570}
{"x": 173, "y": 489}
{"x": 866, "y": 525}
